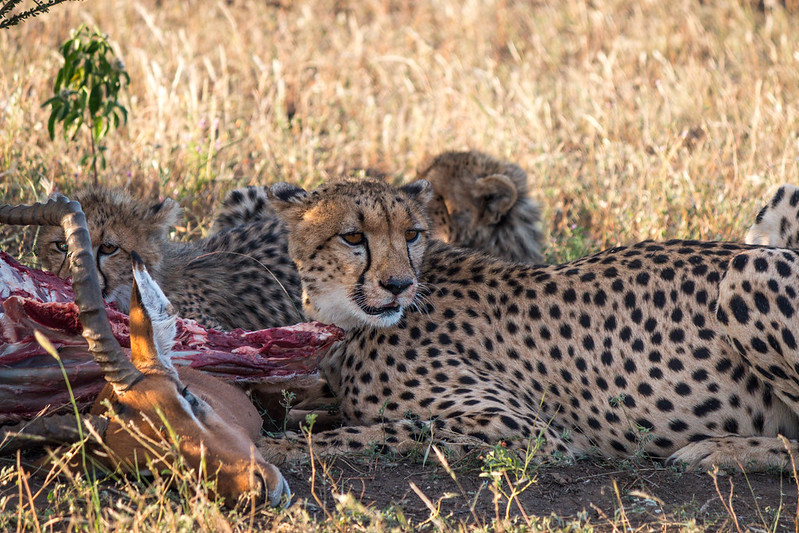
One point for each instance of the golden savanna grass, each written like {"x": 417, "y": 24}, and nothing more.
{"x": 635, "y": 119}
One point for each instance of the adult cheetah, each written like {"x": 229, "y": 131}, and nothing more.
{"x": 247, "y": 264}
{"x": 480, "y": 202}
{"x": 667, "y": 341}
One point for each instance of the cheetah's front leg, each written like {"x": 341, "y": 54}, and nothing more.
{"x": 752, "y": 454}
{"x": 402, "y": 437}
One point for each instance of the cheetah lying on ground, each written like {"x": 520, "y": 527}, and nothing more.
{"x": 479, "y": 202}
{"x": 247, "y": 264}
{"x": 660, "y": 347}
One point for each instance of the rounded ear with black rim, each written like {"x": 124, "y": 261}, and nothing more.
{"x": 287, "y": 200}
{"x": 419, "y": 190}
{"x": 163, "y": 215}
{"x": 495, "y": 194}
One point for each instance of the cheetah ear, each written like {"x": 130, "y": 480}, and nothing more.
{"x": 420, "y": 190}
{"x": 494, "y": 195}
{"x": 164, "y": 215}
{"x": 287, "y": 200}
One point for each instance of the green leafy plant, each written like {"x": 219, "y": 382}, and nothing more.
{"x": 500, "y": 463}
{"x": 86, "y": 92}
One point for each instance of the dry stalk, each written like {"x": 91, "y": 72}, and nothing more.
{"x": 726, "y": 503}
{"x": 787, "y": 445}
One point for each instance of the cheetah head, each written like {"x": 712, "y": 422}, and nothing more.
{"x": 117, "y": 224}
{"x": 484, "y": 203}
{"x": 358, "y": 245}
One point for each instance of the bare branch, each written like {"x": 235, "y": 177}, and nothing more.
{"x": 7, "y": 21}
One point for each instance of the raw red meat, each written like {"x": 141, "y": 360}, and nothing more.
{"x": 31, "y": 380}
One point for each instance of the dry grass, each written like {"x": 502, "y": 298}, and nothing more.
{"x": 635, "y": 119}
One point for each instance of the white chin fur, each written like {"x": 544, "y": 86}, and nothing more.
{"x": 383, "y": 321}
{"x": 337, "y": 308}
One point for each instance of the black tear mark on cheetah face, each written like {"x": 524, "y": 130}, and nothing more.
{"x": 359, "y": 256}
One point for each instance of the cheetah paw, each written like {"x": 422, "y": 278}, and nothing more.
{"x": 747, "y": 453}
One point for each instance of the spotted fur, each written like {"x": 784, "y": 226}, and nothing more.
{"x": 679, "y": 349}
{"x": 238, "y": 278}
{"x": 243, "y": 206}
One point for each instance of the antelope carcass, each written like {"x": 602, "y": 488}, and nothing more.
{"x": 215, "y": 424}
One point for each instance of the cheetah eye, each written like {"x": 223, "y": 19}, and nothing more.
{"x": 412, "y": 235}
{"x": 61, "y": 246}
{"x": 354, "y": 238}
{"x": 107, "y": 248}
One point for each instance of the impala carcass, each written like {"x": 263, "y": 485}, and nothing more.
{"x": 216, "y": 426}
{"x": 32, "y": 381}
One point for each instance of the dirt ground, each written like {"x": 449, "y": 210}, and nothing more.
{"x": 645, "y": 496}
{"x": 650, "y": 494}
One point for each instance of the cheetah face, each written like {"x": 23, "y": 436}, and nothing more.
{"x": 484, "y": 203}
{"x": 118, "y": 224}
{"x": 358, "y": 246}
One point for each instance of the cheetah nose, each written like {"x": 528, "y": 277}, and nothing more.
{"x": 396, "y": 285}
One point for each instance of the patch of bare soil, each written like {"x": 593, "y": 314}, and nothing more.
{"x": 606, "y": 494}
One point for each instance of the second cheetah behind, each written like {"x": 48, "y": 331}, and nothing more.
{"x": 238, "y": 278}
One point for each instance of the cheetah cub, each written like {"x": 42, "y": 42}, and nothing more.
{"x": 483, "y": 203}
{"x": 692, "y": 341}
{"x": 238, "y": 278}
{"x": 480, "y": 202}
{"x": 777, "y": 224}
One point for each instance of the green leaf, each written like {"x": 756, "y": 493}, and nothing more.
{"x": 51, "y": 125}
{"x": 52, "y": 101}
{"x": 66, "y": 75}
{"x": 72, "y": 124}
{"x": 105, "y": 66}
{"x": 95, "y": 100}
{"x": 97, "y": 129}
{"x": 58, "y": 79}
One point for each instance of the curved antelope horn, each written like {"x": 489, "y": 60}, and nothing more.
{"x": 60, "y": 211}
{"x": 52, "y": 429}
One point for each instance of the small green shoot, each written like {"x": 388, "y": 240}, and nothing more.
{"x": 86, "y": 92}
